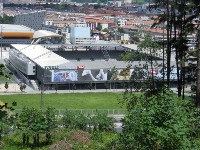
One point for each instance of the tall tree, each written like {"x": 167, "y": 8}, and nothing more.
{"x": 178, "y": 19}
{"x": 5, "y": 110}
{"x": 198, "y": 72}
{"x": 145, "y": 78}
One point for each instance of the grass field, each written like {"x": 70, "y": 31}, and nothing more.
{"x": 63, "y": 101}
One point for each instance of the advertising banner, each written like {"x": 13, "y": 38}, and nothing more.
{"x": 108, "y": 74}
{"x": 92, "y": 75}
{"x": 64, "y": 75}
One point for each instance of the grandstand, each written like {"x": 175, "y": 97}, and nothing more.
{"x": 64, "y": 68}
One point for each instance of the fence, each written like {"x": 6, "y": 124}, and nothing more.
{"x": 88, "y": 111}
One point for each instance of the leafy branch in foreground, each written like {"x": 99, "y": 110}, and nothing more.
{"x": 160, "y": 121}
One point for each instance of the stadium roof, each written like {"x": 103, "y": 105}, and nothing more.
{"x": 44, "y": 57}
{"x": 45, "y": 33}
{"x": 11, "y": 30}
{"x": 104, "y": 42}
{"x": 130, "y": 46}
{"x": 99, "y": 64}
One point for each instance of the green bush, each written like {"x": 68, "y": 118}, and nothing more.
{"x": 161, "y": 121}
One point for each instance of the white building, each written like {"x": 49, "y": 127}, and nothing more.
{"x": 121, "y": 22}
{"x": 118, "y": 3}
{"x": 33, "y": 20}
{"x": 80, "y": 35}
{"x": 125, "y": 37}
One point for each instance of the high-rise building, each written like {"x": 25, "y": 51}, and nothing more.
{"x": 33, "y": 20}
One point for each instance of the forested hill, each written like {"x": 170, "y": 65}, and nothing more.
{"x": 90, "y": 1}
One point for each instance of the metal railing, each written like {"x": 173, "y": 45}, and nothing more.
{"x": 87, "y": 111}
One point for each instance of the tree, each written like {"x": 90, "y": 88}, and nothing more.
{"x": 6, "y": 19}
{"x": 112, "y": 73}
{"x": 160, "y": 121}
{"x": 6, "y": 116}
{"x": 6, "y": 86}
{"x": 99, "y": 27}
{"x": 105, "y": 30}
{"x": 179, "y": 25}
{"x": 106, "y": 84}
{"x": 21, "y": 88}
{"x": 50, "y": 123}
{"x": 6, "y": 119}
{"x": 151, "y": 48}
{"x": 135, "y": 39}
{"x": 24, "y": 86}
{"x": 56, "y": 88}
{"x": 198, "y": 74}
{"x": 121, "y": 30}
{"x": 33, "y": 123}
{"x": 90, "y": 86}
{"x": 144, "y": 78}
{"x": 73, "y": 87}
{"x": 101, "y": 122}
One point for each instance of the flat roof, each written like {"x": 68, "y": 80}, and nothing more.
{"x": 45, "y": 33}
{"x": 12, "y": 30}
{"x": 15, "y": 28}
{"x": 43, "y": 57}
{"x": 130, "y": 46}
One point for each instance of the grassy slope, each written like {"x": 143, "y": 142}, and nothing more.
{"x": 69, "y": 101}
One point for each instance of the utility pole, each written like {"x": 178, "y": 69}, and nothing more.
{"x": 42, "y": 94}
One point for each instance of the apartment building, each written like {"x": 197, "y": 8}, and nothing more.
{"x": 33, "y": 20}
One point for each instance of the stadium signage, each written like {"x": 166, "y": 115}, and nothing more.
{"x": 80, "y": 67}
{"x": 153, "y": 71}
{"x": 51, "y": 67}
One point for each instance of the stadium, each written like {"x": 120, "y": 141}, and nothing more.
{"x": 49, "y": 62}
